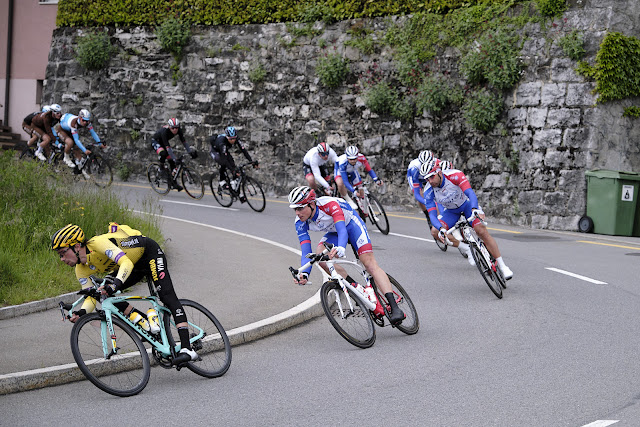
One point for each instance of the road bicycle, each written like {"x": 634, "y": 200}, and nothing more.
{"x": 486, "y": 263}
{"x": 159, "y": 178}
{"x": 368, "y": 207}
{"x": 350, "y": 310}
{"x": 442, "y": 245}
{"x": 243, "y": 188}
{"x": 108, "y": 347}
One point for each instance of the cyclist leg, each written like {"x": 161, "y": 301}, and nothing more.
{"x": 492, "y": 246}
{"x": 308, "y": 175}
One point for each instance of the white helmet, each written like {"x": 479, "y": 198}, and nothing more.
{"x": 429, "y": 168}
{"x": 301, "y": 196}
{"x": 445, "y": 165}
{"x": 85, "y": 115}
{"x": 46, "y": 108}
{"x": 56, "y": 108}
{"x": 425, "y": 156}
{"x": 351, "y": 152}
{"x": 323, "y": 149}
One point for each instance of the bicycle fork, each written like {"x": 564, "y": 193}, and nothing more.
{"x": 108, "y": 336}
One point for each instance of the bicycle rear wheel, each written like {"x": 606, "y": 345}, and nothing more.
{"x": 222, "y": 193}
{"x": 192, "y": 183}
{"x": 100, "y": 170}
{"x": 123, "y": 374}
{"x": 411, "y": 323}
{"x": 377, "y": 215}
{"x": 213, "y": 348}
{"x": 158, "y": 178}
{"x": 485, "y": 270}
{"x": 355, "y": 326}
{"x": 253, "y": 193}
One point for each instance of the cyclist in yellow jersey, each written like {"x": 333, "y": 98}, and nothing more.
{"x": 131, "y": 256}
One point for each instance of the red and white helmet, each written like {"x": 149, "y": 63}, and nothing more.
{"x": 430, "y": 168}
{"x": 173, "y": 122}
{"x": 323, "y": 149}
{"x": 301, "y": 196}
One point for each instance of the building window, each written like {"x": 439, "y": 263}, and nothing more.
{"x": 39, "y": 85}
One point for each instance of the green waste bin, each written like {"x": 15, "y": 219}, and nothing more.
{"x": 612, "y": 203}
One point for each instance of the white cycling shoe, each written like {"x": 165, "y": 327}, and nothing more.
{"x": 40, "y": 155}
{"x": 191, "y": 353}
{"x": 506, "y": 272}
{"x": 469, "y": 256}
{"x": 69, "y": 162}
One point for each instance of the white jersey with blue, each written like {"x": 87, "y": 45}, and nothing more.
{"x": 454, "y": 194}
{"x": 68, "y": 122}
{"x": 350, "y": 173}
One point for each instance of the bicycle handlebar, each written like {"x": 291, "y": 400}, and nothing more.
{"x": 313, "y": 258}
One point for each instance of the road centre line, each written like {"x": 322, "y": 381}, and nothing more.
{"x": 601, "y": 423}
{"x": 577, "y": 276}
{"x": 197, "y": 204}
{"x": 610, "y": 244}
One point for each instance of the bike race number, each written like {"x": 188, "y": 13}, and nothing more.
{"x": 627, "y": 193}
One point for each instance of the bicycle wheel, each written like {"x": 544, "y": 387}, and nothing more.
{"x": 222, "y": 194}
{"x": 377, "y": 215}
{"x": 213, "y": 348}
{"x": 192, "y": 183}
{"x": 28, "y": 153}
{"x": 253, "y": 193}
{"x": 123, "y": 374}
{"x": 334, "y": 188}
{"x": 158, "y": 178}
{"x": 100, "y": 170}
{"x": 411, "y": 323}
{"x": 485, "y": 270}
{"x": 355, "y": 326}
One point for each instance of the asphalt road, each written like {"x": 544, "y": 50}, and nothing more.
{"x": 557, "y": 350}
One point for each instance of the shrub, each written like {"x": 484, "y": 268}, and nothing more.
{"x": 403, "y": 110}
{"x": 482, "y": 109}
{"x": 94, "y": 50}
{"x": 618, "y": 67}
{"x": 332, "y": 69}
{"x": 494, "y": 58}
{"x": 436, "y": 93}
{"x": 572, "y": 45}
{"x": 257, "y": 73}
{"x": 174, "y": 36}
{"x": 551, "y": 7}
{"x": 380, "y": 98}
{"x": 632, "y": 112}
{"x": 124, "y": 172}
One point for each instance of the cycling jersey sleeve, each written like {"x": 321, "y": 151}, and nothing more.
{"x": 345, "y": 179}
{"x": 417, "y": 195}
{"x": 317, "y": 175}
{"x": 76, "y": 139}
{"x": 95, "y": 136}
{"x": 430, "y": 204}
{"x": 473, "y": 199}
{"x": 302, "y": 228}
{"x": 244, "y": 150}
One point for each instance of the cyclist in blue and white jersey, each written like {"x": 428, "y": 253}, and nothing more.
{"x": 341, "y": 225}
{"x": 347, "y": 176}
{"x": 68, "y": 133}
{"x": 451, "y": 190}
{"x": 313, "y": 166}
{"x": 415, "y": 181}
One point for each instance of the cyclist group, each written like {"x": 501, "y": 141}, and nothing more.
{"x": 442, "y": 192}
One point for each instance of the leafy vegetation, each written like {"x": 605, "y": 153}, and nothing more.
{"x": 332, "y": 69}
{"x": 34, "y": 205}
{"x": 94, "y": 50}
{"x": 572, "y": 45}
{"x": 482, "y": 109}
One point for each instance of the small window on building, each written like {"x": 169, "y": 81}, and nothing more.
{"x": 39, "y": 85}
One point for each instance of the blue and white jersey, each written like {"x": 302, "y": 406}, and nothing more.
{"x": 69, "y": 123}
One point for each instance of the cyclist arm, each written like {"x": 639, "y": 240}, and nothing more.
{"x": 368, "y": 168}
{"x": 115, "y": 254}
{"x": 244, "y": 150}
{"x": 76, "y": 140}
{"x": 430, "y": 204}
{"x": 302, "y": 228}
{"x": 461, "y": 181}
{"x": 315, "y": 168}
{"x": 94, "y": 135}
{"x": 186, "y": 145}
{"x": 339, "y": 223}
{"x": 345, "y": 178}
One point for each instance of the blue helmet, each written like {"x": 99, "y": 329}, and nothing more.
{"x": 230, "y": 131}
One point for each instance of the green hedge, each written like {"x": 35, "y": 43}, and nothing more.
{"x": 215, "y": 12}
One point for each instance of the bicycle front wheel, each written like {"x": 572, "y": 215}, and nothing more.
{"x": 123, "y": 374}
{"x": 377, "y": 215}
{"x": 158, "y": 178}
{"x": 354, "y": 325}
{"x": 411, "y": 323}
{"x": 253, "y": 193}
{"x": 213, "y": 347}
{"x": 221, "y": 192}
{"x": 485, "y": 270}
{"x": 100, "y": 170}
{"x": 192, "y": 183}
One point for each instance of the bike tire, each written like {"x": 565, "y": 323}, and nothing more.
{"x": 356, "y": 327}
{"x": 377, "y": 215}
{"x": 214, "y": 348}
{"x": 253, "y": 193}
{"x": 485, "y": 270}
{"x": 100, "y": 170}
{"x": 411, "y": 323}
{"x": 27, "y": 153}
{"x": 192, "y": 183}
{"x": 126, "y": 373}
{"x": 158, "y": 178}
{"x": 222, "y": 194}
{"x": 334, "y": 188}
{"x": 441, "y": 245}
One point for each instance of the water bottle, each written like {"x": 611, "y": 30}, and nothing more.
{"x": 154, "y": 323}
{"x": 81, "y": 162}
{"x": 222, "y": 183}
{"x": 235, "y": 183}
{"x": 137, "y": 319}
{"x": 370, "y": 293}
{"x": 360, "y": 289}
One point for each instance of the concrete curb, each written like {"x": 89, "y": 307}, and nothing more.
{"x": 35, "y": 306}
{"x": 63, "y": 374}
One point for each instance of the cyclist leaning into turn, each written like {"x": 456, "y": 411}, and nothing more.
{"x": 314, "y": 169}
{"x": 221, "y": 153}
{"x": 68, "y": 133}
{"x": 452, "y": 191}
{"x": 131, "y": 256}
{"x": 347, "y": 176}
{"x": 341, "y": 226}
{"x": 160, "y": 144}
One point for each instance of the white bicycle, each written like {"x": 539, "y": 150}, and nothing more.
{"x": 350, "y": 310}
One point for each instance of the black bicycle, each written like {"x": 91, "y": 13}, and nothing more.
{"x": 243, "y": 188}
{"x": 94, "y": 167}
{"x": 159, "y": 178}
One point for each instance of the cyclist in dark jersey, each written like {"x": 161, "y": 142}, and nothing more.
{"x": 42, "y": 126}
{"x": 130, "y": 256}
{"x": 160, "y": 144}
{"x": 220, "y": 152}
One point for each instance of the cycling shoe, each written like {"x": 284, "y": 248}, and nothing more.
{"x": 397, "y": 316}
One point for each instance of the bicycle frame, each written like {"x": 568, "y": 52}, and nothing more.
{"x": 463, "y": 231}
{"x": 109, "y": 339}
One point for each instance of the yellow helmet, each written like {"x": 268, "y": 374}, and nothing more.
{"x": 67, "y": 236}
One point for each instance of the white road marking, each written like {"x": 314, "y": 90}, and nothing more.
{"x": 601, "y": 423}
{"x": 577, "y": 276}
{"x": 405, "y": 236}
{"x": 197, "y": 204}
